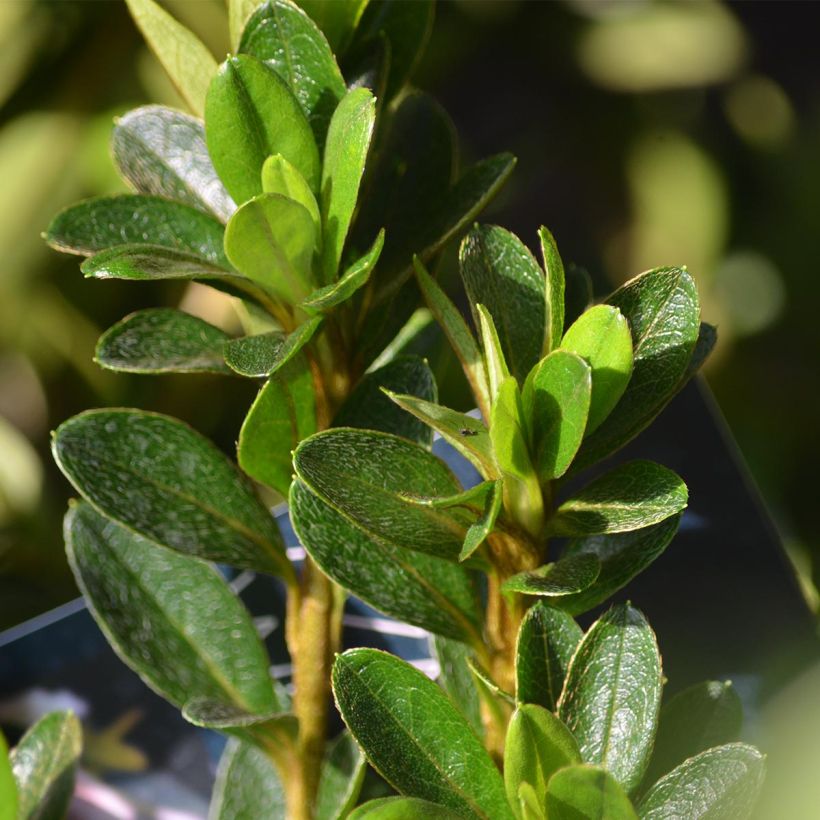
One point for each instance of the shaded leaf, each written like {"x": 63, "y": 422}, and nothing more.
{"x": 577, "y": 293}
{"x": 456, "y": 679}
{"x": 478, "y": 532}
{"x": 167, "y": 482}
{"x": 337, "y": 20}
{"x": 402, "y": 808}
{"x": 488, "y": 688}
{"x": 587, "y": 792}
{"x": 266, "y": 353}
{"x": 280, "y": 177}
{"x": 555, "y": 289}
{"x": 566, "y": 576}
{"x": 414, "y": 736}
{"x": 341, "y": 778}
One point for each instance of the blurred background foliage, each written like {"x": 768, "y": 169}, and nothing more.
{"x": 647, "y": 133}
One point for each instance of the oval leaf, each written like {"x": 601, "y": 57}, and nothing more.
{"x": 265, "y": 354}
{"x": 402, "y": 808}
{"x": 556, "y": 286}
{"x": 413, "y": 735}
{"x": 612, "y": 694}
{"x": 587, "y": 792}
{"x": 280, "y": 177}
{"x": 170, "y": 484}
{"x": 566, "y": 576}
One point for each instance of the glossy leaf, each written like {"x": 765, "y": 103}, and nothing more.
{"x": 556, "y": 403}
{"x": 44, "y": 763}
{"x": 629, "y": 497}
{"x": 621, "y": 556}
{"x": 369, "y": 408}
{"x": 284, "y": 37}
{"x": 341, "y": 778}
{"x": 283, "y": 413}
{"x": 536, "y": 746}
{"x": 171, "y": 618}
{"x": 555, "y": 290}
{"x": 367, "y": 476}
{"x": 587, "y": 792}
{"x": 187, "y": 61}
{"x": 414, "y": 736}
{"x": 167, "y": 482}
{"x": 161, "y": 151}
{"x": 420, "y": 589}
{"x": 402, "y": 808}
{"x": 271, "y": 240}
{"x": 701, "y": 717}
{"x": 280, "y": 177}
{"x": 267, "y": 353}
{"x": 251, "y": 114}
{"x": 612, "y": 694}
{"x": 8, "y": 787}
{"x": 337, "y": 19}
{"x": 162, "y": 340}
{"x": 547, "y": 640}
{"x": 601, "y": 336}
{"x": 718, "y": 783}
{"x": 348, "y": 141}
{"x": 247, "y": 785}
{"x": 127, "y": 219}
{"x": 662, "y": 309}
{"x": 480, "y": 530}
{"x": 456, "y": 679}
{"x": 567, "y": 576}
{"x": 500, "y": 273}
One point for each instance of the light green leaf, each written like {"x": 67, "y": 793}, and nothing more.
{"x": 536, "y": 746}
{"x": 171, "y": 618}
{"x": 414, "y": 736}
{"x": 8, "y": 788}
{"x": 341, "y": 779}
{"x": 547, "y": 640}
{"x": 239, "y": 12}
{"x": 403, "y": 808}
{"x": 251, "y": 114}
{"x": 337, "y": 19}
{"x": 500, "y": 273}
{"x": 612, "y": 694}
{"x": 126, "y": 219}
{"x": 567, "y": 576}
{"x": 587, "y": 792}
{"x": 529, "y": 806}
{"x": 601, "y": 336}
{"x": 494, "y": 359}
{"x": 556, "y": 402}
{"x": 555, "y": 288}
{"x": 267, "y": 353}
{"x": 247, "y": 785}
{"x": 421, "y": 590}
{"x": 44, "y": 763}
{"x": 186, "y": 60}
{"x": 168, "y": 483}
{"x": 481, "y": 529}
{"x": 622, "y": 556}
{"x": 716, "y": 784}
{"x": 629, "y": 497}
{"x": 284, "y": 37}
{"x": 271, "y": 240}
{"x": 355, "y": 277}
{"x": 161, "y": 151}
{"x": 162, "y": 340}
{"x": 456, "y": 679}
{"x": 348, "y": 140}
{"x": 283, "y": 413}
{"x": 280, "y": 177}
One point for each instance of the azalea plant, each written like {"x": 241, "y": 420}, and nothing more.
{"x": 315, "y": 188}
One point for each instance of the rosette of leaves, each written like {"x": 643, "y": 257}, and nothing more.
{"x": 300, "y": 183}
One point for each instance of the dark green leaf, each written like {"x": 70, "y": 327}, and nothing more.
{"x": 601, "y": 336}
{"x": 487, "y": 687}
{"x": 171, "y": 618}
{"x": 414, "y": 736}
{"x": 247, "y": 785}
{"x": 283, "y": 36}
{"x": 163, "y": 152}
{"x": 567, "y": 576}
{"x": 170, "y": 484}
{"x": 587, "y": 793}
{"x": 187, "y": 61}
{"x": 149, "y": 262}
{"x": 265, "y": 354}
{"x": 348, "y": 141}
{"x": 716, "y": 784}
{"x": 662, "y": 309}
{"x": 369, "y": 408}
{"x": 536, "y": 746}
{"x": 546, "y": 643}
{"x": 555, "y": 288}
{"x": 500, "y": 273}
{"x": 341, "y": 778}
{"x": 251, "y": 114}
{"x": 698, "y": 718}
{"x": 481, "y": 529}
{"x": 707, "y": 339}
{"x": 629, "y": 497}
{"x": 44, "y": 763}
{"x": 8, "y": 788}
{"x": 336, "y": 18}
{"x": 556, "y": 402}
{"x": 456, "y": 679}
{"x": 622, "y": 556}
{"x": 283, "y": 414}
{"x": 403, "y": 808}
{"x": 280, "y": 177}
{"x": 127, "y": 219}
{"x": 420, "y": 589}
{"x": 368, "y": 475}
{"x": 612, "y": 694}
{"x": 162, "y": 340}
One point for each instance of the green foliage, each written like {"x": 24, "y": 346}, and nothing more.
{"x": 8, "y": 787}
